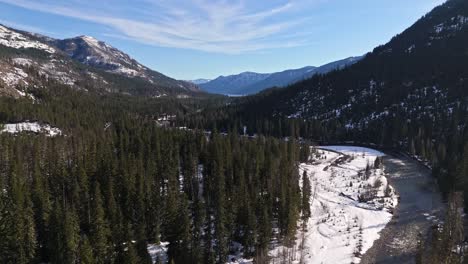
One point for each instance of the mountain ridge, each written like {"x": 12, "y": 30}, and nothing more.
{"x": 246, "y": 83}
{"x": 82, "y": 62}
{"x": 420, "y": 74}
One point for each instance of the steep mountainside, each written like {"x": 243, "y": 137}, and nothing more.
{"x": 421, "y": 74}
{"x": 93, "y": 52}
{"x": 29, "y": 61}
{"x": 250, "y": 83}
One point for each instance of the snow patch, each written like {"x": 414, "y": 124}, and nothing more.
{"x": 342, "y": 226}
{"x": 16, "y": 40}
{"x": 158, "y": 252}
{"x": 14, "y": 77}
{"x": 22, "y": 61}
{"x": 33, "y": 127}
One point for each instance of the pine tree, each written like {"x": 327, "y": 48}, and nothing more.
{"x": 7, "y": 232}
{"x": 86, "y": 251}
{"x": 306, "y": 195}
{"x": 130, "y": 255}
{"x": 217, "y": 173}
{"x": 24, "y": 246}
{"x": 100, "y": 232}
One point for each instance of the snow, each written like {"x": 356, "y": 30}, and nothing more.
{"x": 22, "y": 61}
{"x": 126, "y": 71}
{"x": 454, "y": 24}
{"x": 158, "y": 252}
{"x": 411, "y": 48}
{"x": 91, "y": 40}
{"x": 13, "y": 78}
{"x": 33, "y": 127}
{"x": 16, "y": 40}
{"x": 105, "y": 54}
{"x": 341, "y": 229}
{"x": 237, "y": 258}
{"x": 350, "y": 150}
{"x": 53, "y": 71}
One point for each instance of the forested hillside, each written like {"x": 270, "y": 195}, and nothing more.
{"x": 410, "y": 94}
{"x": 132, "y": 163}
{"x": 29, "y": 61}
{"x": 115, "y": 182}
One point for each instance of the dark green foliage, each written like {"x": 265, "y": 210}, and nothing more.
{"x": 86, "y": 252}
{"x": 306, "y": 196}
{"x": 101, "y": 195}
{"x": 118, "y": 180}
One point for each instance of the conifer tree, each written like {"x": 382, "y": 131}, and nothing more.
{"x": 86, "y": 251}
{"x": 99, "y": 232}
{"x": 306, "y": 195}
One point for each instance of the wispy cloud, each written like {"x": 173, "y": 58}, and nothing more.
{"x": 221, "y": 26}
{"x": 21, "y": 26}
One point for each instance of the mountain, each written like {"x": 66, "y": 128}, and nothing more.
{"x": 31, "y": 60}
{"x": 232, "y": 84}
{"x": 278, "y": 79}
{"x": 336, "y": 65}
{"x": 419, "y": 79}
{"x": 199, "y": 81}
{"x": 93, "y": 52}
{"x": 250, "y": 83}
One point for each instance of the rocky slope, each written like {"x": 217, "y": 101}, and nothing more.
{"x": 30, "y": 61}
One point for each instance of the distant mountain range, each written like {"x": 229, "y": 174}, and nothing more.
{"x": 251, "y": 82}
{"x": 419, "y": 77}
{"x": 200, "y": 81}
{"x": 31, "y": 60}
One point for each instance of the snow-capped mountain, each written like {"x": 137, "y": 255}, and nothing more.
{"x": 99, "y": 54}
{"x": 199, "y": 81}
{"x": 29, "y": 63}
{"x": 32, "y": 60}
{"x": 91, "y": 51}
{"x": 250, "y": 82}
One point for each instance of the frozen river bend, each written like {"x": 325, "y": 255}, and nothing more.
{"x": 420, "y": 207}
{"x": 351, "y": 204}
{"x": 356, "y": 213}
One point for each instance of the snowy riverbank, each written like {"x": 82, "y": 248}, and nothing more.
{"x": 349, "y": 207}
{"x": 351, "y": 204}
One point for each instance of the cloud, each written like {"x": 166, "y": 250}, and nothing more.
{"x": 220, "y": 26}
{"x": 25, "y": 27}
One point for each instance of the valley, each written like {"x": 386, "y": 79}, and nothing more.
{"x": 106, "y": 160}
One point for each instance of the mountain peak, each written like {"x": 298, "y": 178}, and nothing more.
{"x": 84, "y": 49}
{"x": 89, "y": 39}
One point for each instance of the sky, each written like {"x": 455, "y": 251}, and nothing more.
{"x": 191, "y": 39}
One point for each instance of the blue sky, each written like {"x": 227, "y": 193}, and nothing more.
{"x": 189, "y": 39}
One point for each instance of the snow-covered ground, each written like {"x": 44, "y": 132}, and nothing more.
{"x": 349, "y": 209}
{"x": 341, "y": 228}
{"x": 158, "y": 252}
{"x": 16, "y": 40}
{"x": 32, "y": 127}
